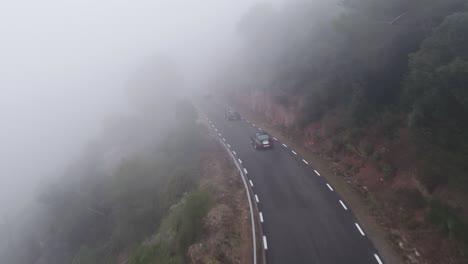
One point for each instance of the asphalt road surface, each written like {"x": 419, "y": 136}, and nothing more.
{"x": 304, "y": 220}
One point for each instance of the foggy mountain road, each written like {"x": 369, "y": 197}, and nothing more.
{"x": 303, "y": 219}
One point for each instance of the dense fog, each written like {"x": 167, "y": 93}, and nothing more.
{"x": 65, "y": 66}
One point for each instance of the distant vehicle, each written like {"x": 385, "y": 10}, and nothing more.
{"x": 232, "y": 115}
{"x": 261, "y": 140}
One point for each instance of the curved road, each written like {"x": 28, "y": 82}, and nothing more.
{"x": 304, "y": 219}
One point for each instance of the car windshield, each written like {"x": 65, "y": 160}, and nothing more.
{"x": 263, "y": 137}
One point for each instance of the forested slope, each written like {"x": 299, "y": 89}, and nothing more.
{"x": 378, "y": 87}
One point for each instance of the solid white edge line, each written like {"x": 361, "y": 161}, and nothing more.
{"x": 305, "y": 161}
{"x": 240, "y": 161}
{"x": 251, "y": 183}
{"x": 329, "y": 187}
{"x": 261, "y": 216}
{"x": 229, "y": 146}
{"x": 344, "y": 206}
{"x": 265, "y": 245}
{"x": 245, "y": 171}
{"x": 252, "y": 221}
{"x": 275, "y": 138}
{"x": 293, "y": 152}
{"x": 234, "y": 152}
{"x": 256, "y": 198}
{"x": 284, "y": 145}
{"x": 378, "y": 259}
{"x": 316, "y": 172}
{"x": 359, "y": 228}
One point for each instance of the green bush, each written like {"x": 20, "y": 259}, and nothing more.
{"x": 177, "y": 232}
{"x": 448, "y": 221}
{"x": 388, "y": 170}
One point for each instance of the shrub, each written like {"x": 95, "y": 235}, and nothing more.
{"x": 388, "y": 170}
{"x": 448, "y": 221}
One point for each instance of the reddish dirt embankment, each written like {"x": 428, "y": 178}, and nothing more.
{"x": 384, "y": 179}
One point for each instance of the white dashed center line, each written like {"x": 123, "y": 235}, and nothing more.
{"x": 253, "y": 124}
{"x": 229, "y": 146}
{"x": 261, "y": 217}
{"x": 251, "y": 183}
{"x": 240, "y": 161}
{"x": 344, "y": 206}
{"x": 247, "y": 121}
{"x": 293, "y": 152}
{"x": 329, "y": 187}
{"x": 359, "y": 228}
{"x": 216, "y": 130}
{"x": 316, "y": 172}
{"x": 378, "y": 259}
{"x": 284, "y": 145}
{"x": 234, "y": 152}
{"x": 260, "y": 129}
{"x": 245, "y": 171}
{"x": 224, "y": 139}
{"x": 305, "y": 161}
{"x": 256, "y": 198}
{"x": 275, "y": 138}
{"x": 212, "y": 126}
{"x": 265, "y": 245}
{"x": 219, "y": 134}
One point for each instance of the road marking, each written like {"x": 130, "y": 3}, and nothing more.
{"x": 294, "y": 152}
{"x": 240, "y": 161}
{"x": 260, "y": 129}
{"x": 265, "y": 245}
{"x": 359, "y": 228}
{"x": 212, "y": 126}
{"x": 256, "y": 199}
{"x": 229, "y": 146}
{"x": 224, "y": 139}
{"x": 253, "y": 124}
{"x": 219, "y": 134}
{"x": 284, "y": 145}
{"x": 245, "y": 170}
{"x": 251, "y": 183}
{"x": 378, "y": 259}
{"x": 329, "y": 187}
{"x": 216, "y": 130}
{"x": 234, "y": 152}
{"x": 344, "y": 206}
{"x": 275, "y": 138}
{"x": 261, "y": 217}
{"x": 316, "y": 172}
{"x": 210, "y": 122}
{"x": 247, "y": 121}
{"x": 305, "y": 161}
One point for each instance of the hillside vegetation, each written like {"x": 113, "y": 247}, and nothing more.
{"x": 381, "y": 88}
